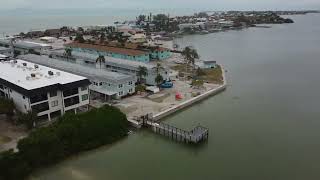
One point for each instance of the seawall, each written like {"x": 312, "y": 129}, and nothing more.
{"x": 190, "y": 102}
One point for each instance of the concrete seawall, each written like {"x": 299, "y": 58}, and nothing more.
{"x": 190, "y": 102}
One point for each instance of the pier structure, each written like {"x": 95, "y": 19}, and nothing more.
{"x": 194, "y": 136}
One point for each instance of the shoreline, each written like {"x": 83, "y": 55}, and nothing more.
{"x": 188, "y": 103}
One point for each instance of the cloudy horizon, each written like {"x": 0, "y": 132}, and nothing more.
{"x": 163, "y": 4}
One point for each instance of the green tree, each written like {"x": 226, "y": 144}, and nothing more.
{"x": 190, "y": 55}
{"x": 102, "y": 38}
{"x": 68, "y": 52}
{"x": 79, "y": 38}
{"x": 142, "y": 72}
{"x": 7, "y": 107}
{"x": 101, "y": 59}
{"x": 29, "y": 119}
{"x": 161, "y": 21}
{"x": 158, "y": 68}
{"x": 159, "y": 80}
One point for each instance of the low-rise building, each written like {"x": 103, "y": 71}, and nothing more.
{"x": 115, "y": 65}
{"x": 105, "y": 84}
{"x": 116, "y": 52}
{"x": 46, "y": 91}
{"x": 25, "y": 47}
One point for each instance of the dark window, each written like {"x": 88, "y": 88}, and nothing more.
{"x": 70, "y": 92}
{"x": 23, "y": 97}
{"x": 53, "y": 94}
{"x": 40, "y": 107}
{"x": 71, "y": 101}
{"x": 38, "y": 98}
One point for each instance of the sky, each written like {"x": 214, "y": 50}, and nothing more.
{"x": 162, "y": 4}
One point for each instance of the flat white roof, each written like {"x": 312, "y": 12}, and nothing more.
{"x": 20, "y": 75}
{"x": 3, "y": 56}
{"x": 90, "y": 72}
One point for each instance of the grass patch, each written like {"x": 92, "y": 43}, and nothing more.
{"x": 208, "y": 75}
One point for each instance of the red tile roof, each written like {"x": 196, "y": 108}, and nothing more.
{"x": 118, "y": 50}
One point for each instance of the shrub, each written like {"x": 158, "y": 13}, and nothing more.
{"x": 69, "y": 135}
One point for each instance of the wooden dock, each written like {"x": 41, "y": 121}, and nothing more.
{"x": 196, "y": 135}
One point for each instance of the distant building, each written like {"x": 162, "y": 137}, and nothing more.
{"x": 52, "y": 32}
{"x": 25, "y": 47}
{"x": 116, "y": 52}
{"x": 138, "y": 38}
{"x": 206, "y": 64}
{"x": 104, "y": 84}
{"x": 48, "y": 92}
{"x": 35, "y": 34}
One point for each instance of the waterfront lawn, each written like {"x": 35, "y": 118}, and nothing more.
{"x": 71, "y": 134}
{"x": 208, "y": 75}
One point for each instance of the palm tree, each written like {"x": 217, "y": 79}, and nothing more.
{"x": 142, "y": 72}
{"x": 158, "y": 68}
{"x": 102, "y": 38}
{"x": 159, "y": 78}
{"x": 68, "y": 52}
{"x": 101, "y": 60}
{"x": 190, "y": 55}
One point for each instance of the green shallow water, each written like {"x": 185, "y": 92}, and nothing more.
{"x": 264, "y": 126}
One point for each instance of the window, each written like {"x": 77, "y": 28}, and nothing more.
{"x": 23, "y": 97}
{"x": 120, "y": 93}
{"x": 130, "y": 90}
{"x": 38, "y": 98}
{"x": 130, "y": 83}
{"x": 120, "y": 85}
{"x": 100, "y": 84}
{"x": 54, "y": 103}
{"x": 70, "y": 92}
{"x": 40, "y": 107}
{"x": 84, "y": 88}
{"x": 85, "y": 97}
{"x": 53, "y": 94}
{"x": 71, "y": 101}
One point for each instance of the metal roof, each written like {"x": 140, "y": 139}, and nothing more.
{"x": 91, "y": 73}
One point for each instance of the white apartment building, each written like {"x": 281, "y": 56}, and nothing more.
{"x": 48, "y": 92}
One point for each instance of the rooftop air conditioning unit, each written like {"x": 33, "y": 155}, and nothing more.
{"x": 36, "y": 66}
{"x": 15, "y": 61}
{"x": 33, "y": 75}
{"x": 24, "y": 64}
{"x": 50, "y": 73}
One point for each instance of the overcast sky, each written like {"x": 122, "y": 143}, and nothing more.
{"x": 156, "y": 4}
